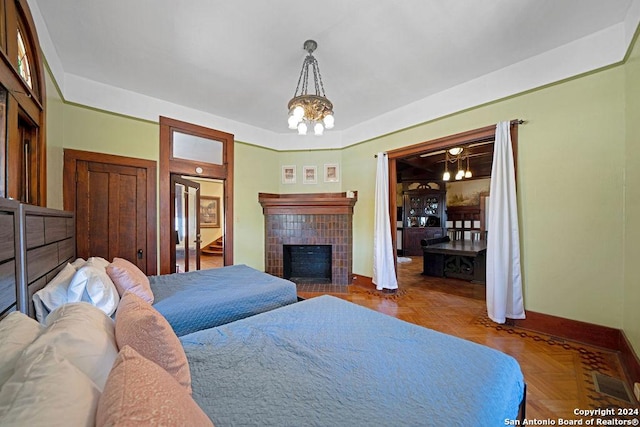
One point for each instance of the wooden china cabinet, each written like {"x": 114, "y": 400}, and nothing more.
{"x": 423, "y": 211}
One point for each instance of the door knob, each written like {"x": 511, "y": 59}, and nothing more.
{"x": 140, "y": 252}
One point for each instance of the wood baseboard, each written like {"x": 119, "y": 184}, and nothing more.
{"x": 362, "y": 281}
{"x": 588, "y": 333}
{"x": 629, "y": 358}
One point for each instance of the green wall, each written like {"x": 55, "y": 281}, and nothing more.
{"x": 80, "y": 128}
{"x": 631, "y": 321}
{"x": 55, "y": 142}
{"x": 570, "y": 176}
{"x": 257, "y": 170}
{"x": 571, "y": 172}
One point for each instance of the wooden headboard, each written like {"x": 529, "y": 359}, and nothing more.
{"x": 35, "y": 244}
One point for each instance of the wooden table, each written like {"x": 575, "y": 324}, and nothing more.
{"x": 460, "y": 259}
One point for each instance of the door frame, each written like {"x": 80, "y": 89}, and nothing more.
{"x": 462, "y": 138}
{"x": 169, "y": 165}
{"x": 71, "y": 158}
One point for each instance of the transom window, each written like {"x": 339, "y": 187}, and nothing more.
{"x": 23, "y": 60}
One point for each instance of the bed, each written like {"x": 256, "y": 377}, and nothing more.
{"x": 36, "y": 244}
{"x": 207, "y": 298}
{"x": 325, "y": 361}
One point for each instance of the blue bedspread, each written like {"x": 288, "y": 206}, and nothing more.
{"x": 203, "y": 299}
{"x": 328, "y": 362}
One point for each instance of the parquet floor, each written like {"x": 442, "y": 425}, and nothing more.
{"x": 559, "y": 374}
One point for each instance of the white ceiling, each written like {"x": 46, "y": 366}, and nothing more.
{"x": 237, "y": 62}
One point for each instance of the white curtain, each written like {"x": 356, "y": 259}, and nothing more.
{"x": 384, "y": 274}
{"x": 504, "y": 281}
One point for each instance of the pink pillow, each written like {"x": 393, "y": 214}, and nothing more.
{"x": 139, "y": 392}
{"x": 128, "y": 277}
{"x": 141, "y": 327}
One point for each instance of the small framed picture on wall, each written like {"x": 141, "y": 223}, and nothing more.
{"x": 310, "y": 175}
{"x": 331, "y": 172}
{"x": 209, "y": 212}
{"x": 289, "y": 174}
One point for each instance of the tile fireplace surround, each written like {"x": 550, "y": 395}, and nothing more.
{"x": 310, "y": 219}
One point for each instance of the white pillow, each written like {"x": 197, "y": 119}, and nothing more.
{"x": 92, "y": 284}
{"x": 17, "y": 331}
{"x": 83, "y": 335}
{"x": 97, "y": 261}
{"x": 78, "y": 263}
{"x": 47, "y": 389}
{"x": 54, "y": 294}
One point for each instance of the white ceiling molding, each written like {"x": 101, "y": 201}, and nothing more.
{"x": 47, "y": 46}
{"x": 631, "y": 22}
{"x": 600, "y": 49}
{"x": 575, "y": 58}
{"x": 87, "y": 92}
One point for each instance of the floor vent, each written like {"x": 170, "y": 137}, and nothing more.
{"x": 613, "y": 387}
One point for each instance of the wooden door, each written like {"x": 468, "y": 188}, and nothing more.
{"x": 114, "y": 201}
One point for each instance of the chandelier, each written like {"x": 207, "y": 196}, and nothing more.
{"x": 310, "y": 110}
{"x": 456, "y": 155}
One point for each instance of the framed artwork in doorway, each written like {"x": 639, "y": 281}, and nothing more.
{"x": 209, "y": 212}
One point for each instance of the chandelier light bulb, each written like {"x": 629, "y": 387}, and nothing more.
{"x": 302, "y": 128}
{"x": 328, "y": 121}
{"x": 467, "y": 174}
{"x": 459, "y": 175}
{"x": 298, "y": 113}
{"x": 446, "y": 176}
{"x": 318, "y": 129}
{"x": 293, "y": 122}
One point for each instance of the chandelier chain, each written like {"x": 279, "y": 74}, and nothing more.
{"x": 303, "y": 79}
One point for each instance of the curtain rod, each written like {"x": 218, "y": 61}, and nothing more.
{"x": 512, "y": 122}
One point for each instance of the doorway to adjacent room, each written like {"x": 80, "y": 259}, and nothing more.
{"x": 420, "y": 193}
{"x": 202, "y": 156}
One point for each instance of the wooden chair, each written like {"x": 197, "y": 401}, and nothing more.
{"x": 454, "y": 234}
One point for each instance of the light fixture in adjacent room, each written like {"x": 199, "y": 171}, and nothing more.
{"x": 456, "y": 155}
{"x": 460, "y": 173}
{"x": 446, "y": 176}
{"x": 468, "y": 173}
{"x": 310, "y": 110}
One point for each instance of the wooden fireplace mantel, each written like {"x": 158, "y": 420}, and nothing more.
{"x": 307, "y": 203}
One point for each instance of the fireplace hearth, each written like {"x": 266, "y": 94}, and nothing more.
{"x": 315, "y": 219}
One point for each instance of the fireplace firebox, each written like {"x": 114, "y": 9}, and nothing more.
{"x": 307, "y": 263}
